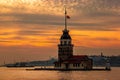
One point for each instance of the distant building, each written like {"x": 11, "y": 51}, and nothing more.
{"x": 66, "y": 59}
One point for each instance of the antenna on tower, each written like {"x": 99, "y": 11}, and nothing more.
{"x": 65, "y": 19}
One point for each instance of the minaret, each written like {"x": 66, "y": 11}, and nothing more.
{"x": 65, "y": 48}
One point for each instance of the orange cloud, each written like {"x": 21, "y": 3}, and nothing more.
{"x": 96, "y": 38}
{"x": 14, "y": 37}
{"x": 40, "y": 23}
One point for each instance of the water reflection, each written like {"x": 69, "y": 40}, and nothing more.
{"x": 65, "y": 75}
{"x": 22, "y": 74}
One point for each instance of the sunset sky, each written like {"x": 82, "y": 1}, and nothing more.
{"x": 31, "y": 29}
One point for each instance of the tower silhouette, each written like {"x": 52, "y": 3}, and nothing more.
{"x": 65, "y": 48}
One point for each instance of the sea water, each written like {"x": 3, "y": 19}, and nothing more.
{"x": 23, "y": 74}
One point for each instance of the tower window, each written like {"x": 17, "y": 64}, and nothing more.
{"x": 69, "y": 42}
{"x": 65, "y": 42}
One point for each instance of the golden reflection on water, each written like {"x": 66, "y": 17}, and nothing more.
{"x": 22, "y": 74}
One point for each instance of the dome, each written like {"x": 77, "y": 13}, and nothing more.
{"x": 65, "y": 35}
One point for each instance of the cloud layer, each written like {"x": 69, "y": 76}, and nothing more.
{"x": 94, "y": 24}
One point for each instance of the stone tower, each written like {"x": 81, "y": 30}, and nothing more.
{"x": 65, "y": 48}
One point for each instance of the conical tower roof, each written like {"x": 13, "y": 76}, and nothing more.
{"x": 65, "y": 35}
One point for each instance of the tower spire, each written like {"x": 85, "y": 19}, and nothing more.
{"x": 65, "y": 19}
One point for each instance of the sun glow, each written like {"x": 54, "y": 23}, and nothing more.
{"x": 96, "y": 38}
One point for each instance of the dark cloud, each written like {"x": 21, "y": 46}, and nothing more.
{"x": 36, "y": 33}
{"x": 87, "y": 10}
{"x": 52, "y": 20}
{"x": 94, "y": 28}
{"x": 18, "y": 38}
{"x": 28, "y": 32}
{"x": 106, "y": 14}
{"x": 31, "y": 18}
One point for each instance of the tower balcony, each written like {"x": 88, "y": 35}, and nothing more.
{"x": 65, "y": 45}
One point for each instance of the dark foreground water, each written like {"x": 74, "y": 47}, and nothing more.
{"x": 22, "y": 74}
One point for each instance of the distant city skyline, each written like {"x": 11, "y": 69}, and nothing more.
{"x": 30, "y": 30}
